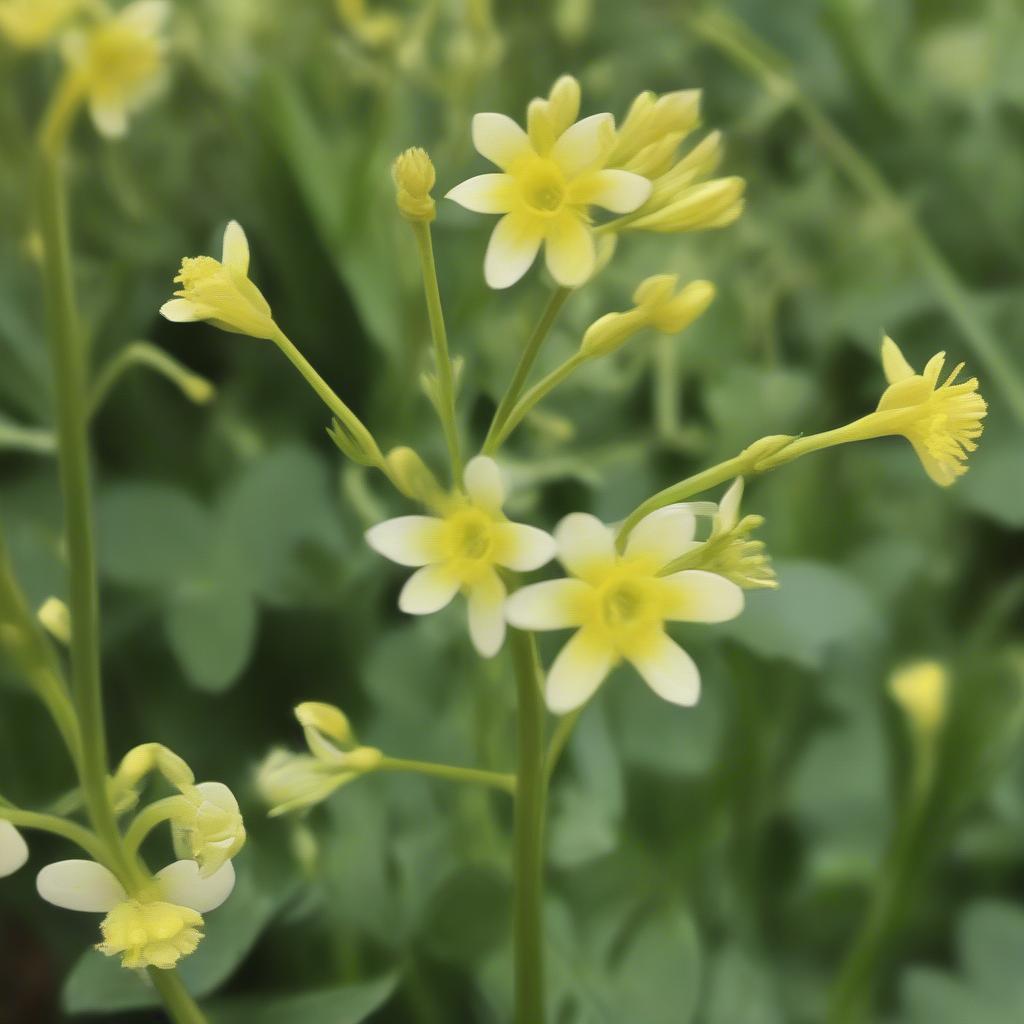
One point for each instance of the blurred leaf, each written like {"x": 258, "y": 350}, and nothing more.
{"x": 995, "y": 484}
{"x": 346, "y": 1004}
{"x": 741, "y": 991}
{"x": 469, "y": 915}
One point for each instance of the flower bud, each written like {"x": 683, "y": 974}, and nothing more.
{"x": 414, "y": 177}
{"x": 327, "y": 719}
{"x": 209, "y": 829}
{"x": 711, "y": 204}
{"x": 149, "y": 757}
{"x": 411, "y": 475}
{"x": 921, "y": 690}
{"x": 56, "y": 619}
{"x": 30, "y": 24}
{"x": 292, "y": 782}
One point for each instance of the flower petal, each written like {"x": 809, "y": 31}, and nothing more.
{"x": 663, "y": 535}
{"x": 699, "y": 596}
{"x": 428, "y": 590}
{"x": 13, "y": 849}
{"x": 487, "y": 615}
{"x": 236, "y": 248}
{"x": 618, "y": 191}
{"x": 570, "y": 252}
{"x": 80, "y": 885}
{"x": 146, "y": 16}
{"x": 585, "y": 544}
{"x": 110, "y": 118}
{"x": 486, "y": 193}
{"x": 183, "y": 885}
{"x": 523, "y": 548}
{"x": 553, "y": 604}
{"x": 579, "y": 669}
{"x": 511, "y": 250}
{"x": 181, "y": 311}
{"x": 219, "y": 795}
{"x": 668, "y": 670}
{"x": 729, "y": 506}
{"x": 483, "y": 482}
{"x": 499, "y": 139}
{"x": 407, "y": 540}
{"x": 585, "y": 144}
{"x": 894, "y": 363}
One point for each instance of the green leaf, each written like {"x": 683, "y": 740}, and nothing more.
{"x": 994, "y": 487}
{"x": 991, "y": 943}
{"x": 741, "y": 991}
{"x": 211, "y": 629}
{"x": 345, "y": 1004}
{"x": 469, "y": 915}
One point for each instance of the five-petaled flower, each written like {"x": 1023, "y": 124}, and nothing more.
{"x": 461, "y": 549}
{"x": 619, "y": 604}
{"x": 153, "y": 927}
{"x": 13, "y": 850}
{"x": 551, "y": 175}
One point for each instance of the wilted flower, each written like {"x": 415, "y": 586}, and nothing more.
{"x": 619, "y": 604}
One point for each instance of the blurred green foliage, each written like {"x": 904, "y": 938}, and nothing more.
{"x": 708, "y": 865}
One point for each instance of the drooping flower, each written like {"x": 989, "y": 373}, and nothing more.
{"x": 941, "y": 420}
{"x": 461, "y": 549}
{"x": 13, "y": 849}
{"x": 120, "y": 63}
{"x": 619, "y": 605}
{"x": 551, "y": 175}
{"x": 153, "y": 927}
{"x": 220, "y": 291}
{"x": 30, "y": 24}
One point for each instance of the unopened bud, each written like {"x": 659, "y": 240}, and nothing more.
{"x": 411, "y": 475}
{"x": 326, "y": 718}
{"x": 414, "y": 177}
{"x": 56, "y": 619}
{"x": 921, "y": 690}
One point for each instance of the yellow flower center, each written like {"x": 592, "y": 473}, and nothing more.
{"x": 470, "y": 535}
{"x": 628, "y": 604}
{"x": 542, "y": 186}
{"x": 150, "y": 933}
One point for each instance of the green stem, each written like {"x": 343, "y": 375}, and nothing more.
{"x": 531, "y": 797}
{"x": 454, "y": 773}
{"x": 442, "y": 358}
{"x": 142, "y": 353}
{"x": 526, "y": 361}
{"x": 70, "y": 830}
{"x": 559, "y": 739}
{"x": 147, "y": 820}
{"x": 180, "y": 1005}
{"x": 749, "y": 52}
{"x": 539, "y": 391}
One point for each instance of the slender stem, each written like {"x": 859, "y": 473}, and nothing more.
{"x": 539, "y": 391}
{"x": 70, "y": 830}
{"x": 559, "y": 739}
{"x": 147, "y": 820}
{"x": 180, "y": 1005}
{"x": 454, "y": 773}
{"x": 526, "y": 361}
{"x": 442, "y": 358}
{"x": 749, "y": 52}
{"x": 142, "y": 353}
{"x": 531, "y": 795}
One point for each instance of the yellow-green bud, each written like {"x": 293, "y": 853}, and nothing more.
{"x": 327, "y": 719}
{"x": 921, "y": 689}
{"x": 414, "y": 177}
{"x": 55, "y": 616}
{"x": 411, "y": 475}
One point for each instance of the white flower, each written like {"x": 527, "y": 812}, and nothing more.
{"x": 551, "y": 175}
{"x": 13, "y": 849}
{"x": 155, "y": 927}
{"x": 462, "y": 549}
{"x": 619, "y": 604}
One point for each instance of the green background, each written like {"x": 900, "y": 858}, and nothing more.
{"x": 707, "y": 865}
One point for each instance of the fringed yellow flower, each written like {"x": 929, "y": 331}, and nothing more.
{"x": 551, "y": 175}
{"x": 941, "y": 420}
{"x": 120, "y": 63}
{"x": 619, "y": 604}
{"x": 221, "y": 292}
{"x": 462, "y": 549}
{"x": 150, "y": 934}
{"x": 30, "y": 24}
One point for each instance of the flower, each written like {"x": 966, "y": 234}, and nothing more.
{"x": 209, "y": 828}
{"x": 619, "y": 604}
{"x": 13, "y": 849}
{"x": 221, "y": 292}
{"x": 33, "y": 23}
{"x": 942, "y": 421}
{"x": 414, "y": 177}
{"x": 120, "y": 63}
{"x": 657, "y": 305}
{"x": 551, "y": 175}
{"x": 921, "y": 689}
{"x": 461, "y": 549}
{"x": 153, "y": 927}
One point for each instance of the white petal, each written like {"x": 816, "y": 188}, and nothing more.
{"x": 729, "y": 506}
{"x": 668, "y": 670}
{"x": 13, "y": 849}
{"x": 146, "y": 16}
{"x": 219, "y": 795}
{"x": 553, "y": 604}
{"x": 428, "y": 590}
{"x": 524, "y": 548}
{"x": 618, "y": 191}
{"x": 484, "y": 484}
{"x": 184, "y": 885}
{"x": 181, "y": 311}
{"x": 486, "y": 193}
{"x": 569, "y": 250}
{"x": 585, "y": 144}
{"x": 585, "y": 544}
{"x": 498, "y": 138}
{"x": 80, "y": 885}
{"x": 236, "y": 248}
{"x": 701, "y": 596}
{"x": 511, "y": 250}
{"x": 407, "y": 540}
{"x": 487, "y": 615}
{"x": 110, "y": 118}
{"x": 663, "y": 535}
{"x": 577, "y": 672}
